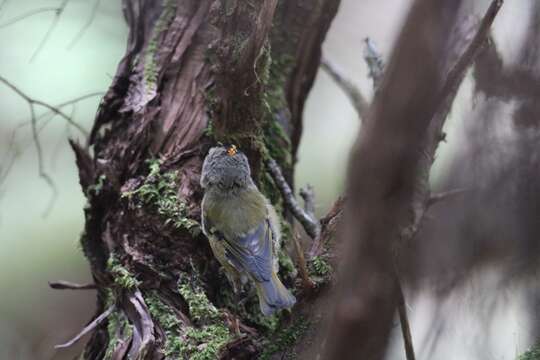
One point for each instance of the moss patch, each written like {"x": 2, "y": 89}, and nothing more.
{"x": 150, "y": 67}
{"x": 159, "y": 191}
{"x": 121, "y": 275}
{"x": 201, "y": 341}
{"x": 284, "y": 339}
{"x": 320, "y": 269}
{"x": 117, "y": 327}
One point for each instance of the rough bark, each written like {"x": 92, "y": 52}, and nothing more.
{"x": 194, "y": 73}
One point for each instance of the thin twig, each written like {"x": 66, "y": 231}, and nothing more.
{"x": 12, "y": 153}
{"x": 404, "y": 321}
{"x": 34, "y": 119}
{"x": 309, "y": 222}
{"x": 55, "y": 110}
{"x": 87, "y": 328}
{"x": 41, "y": 170}
{"x": 85, "y": 27}
{"x": 467, "y": 59}
{"x": 67, "y": 285}
{"x": 4, "y": 172}
{"x": 54, "y": 22}
{"x": 27, "y": 15}
{"x": 352, "y": 91}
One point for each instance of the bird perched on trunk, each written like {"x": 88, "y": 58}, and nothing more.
{"x": 242, "y": 227}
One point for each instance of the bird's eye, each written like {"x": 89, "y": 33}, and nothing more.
{"x": 231, "y": 151}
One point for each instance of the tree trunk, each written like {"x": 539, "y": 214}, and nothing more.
{"x": 195, "y": 73}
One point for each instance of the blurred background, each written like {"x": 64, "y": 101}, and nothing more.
{"x": 40, "y": 228}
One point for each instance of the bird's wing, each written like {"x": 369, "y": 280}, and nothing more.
{"x": 250, "y": 253}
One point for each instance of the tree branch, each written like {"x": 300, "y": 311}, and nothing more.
{"x": 27, "y": 15}
{"x": 67, "y": 285}
{"x": 87, "y": 328}
{"x": 308, "y": 221}
{"x": 352, "y": 91}
{"x": 53, "y": 109}
{"x": 85, "y": 27}
{"x": 54, "y": 22}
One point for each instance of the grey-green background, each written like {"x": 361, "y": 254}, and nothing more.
{"x": 35, "y": 249}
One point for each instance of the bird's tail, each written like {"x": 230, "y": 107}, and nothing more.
{"x": 273, "y": 295}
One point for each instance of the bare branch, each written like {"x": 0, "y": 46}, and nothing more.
{"x": 41, "y": 170}
{"x": 307, "y": 194}
{"x": 27, "y": 15}
{"x": 467, "y": 59}
{"x": 404, "y": 320}
{"x": 87, "y": 328}
{"x": 85, "y": 27}
{"x": 352, "y": 91}
{"x": 309, "y": 222}
{"x": 35, "y": 130}
{"x": 54, "y": 22}
{"x": 67, "y": 285}
{"x": 53, "y": 109}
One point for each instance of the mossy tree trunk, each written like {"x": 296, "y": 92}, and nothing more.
{"x": 195, "y": 72}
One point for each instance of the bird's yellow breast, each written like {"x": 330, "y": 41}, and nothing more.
{"x": 235, "y": 215}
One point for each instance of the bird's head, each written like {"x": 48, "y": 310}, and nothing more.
{"x": 226, "y": 168}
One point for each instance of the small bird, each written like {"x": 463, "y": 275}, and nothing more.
{"x": 242, "y": 227}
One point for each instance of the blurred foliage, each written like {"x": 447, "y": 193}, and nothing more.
{"x": 533, "y": 354}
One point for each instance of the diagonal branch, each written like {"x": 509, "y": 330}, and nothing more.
{"x": 53, "y": 109}
{"x": 352, "y": 91}
{"x": 308, "y": 221}
{"x": 54, "y": 22}
{"x": 35, "y": 130}
{"x": 28, "y": 14}
{"x": 87, "y": 328}
{"x": 85, "y": 27}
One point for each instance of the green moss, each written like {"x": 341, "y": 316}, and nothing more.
{"x": 150, "y": 67}
{"x": 206, "y": 342}
{"x": 275, "y": 74}
{"x": 122, "y": 277}
{"x": 532, "y": 354}
{"x": 165, "y": 316}
{"x": 159, "y": 191}
{"x": 117, "y": 325}
{"x": 319, "y": 269}
{"x": 209, "y": 129}
{"x": 200, "y": 308}
{"x": 319, "y": 266}
{"x": 203, "y": 340}
{"x": 284, "y": 339}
